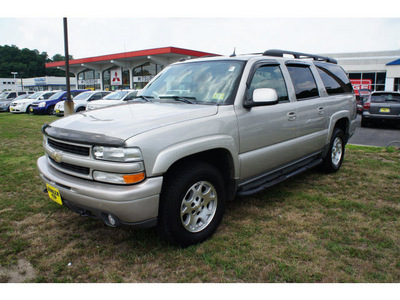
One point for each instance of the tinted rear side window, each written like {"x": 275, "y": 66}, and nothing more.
{"x": 303, "y": 81}
{"x": 334, "y": 78}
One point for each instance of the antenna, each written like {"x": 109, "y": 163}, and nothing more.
{"x": 234, "y": 52}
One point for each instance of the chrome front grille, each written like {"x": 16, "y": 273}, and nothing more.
{"x": 70, "y": 158}
{"x": 69, "y": 148}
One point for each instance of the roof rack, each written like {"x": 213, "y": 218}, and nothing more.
{"x": 280, "y": 53}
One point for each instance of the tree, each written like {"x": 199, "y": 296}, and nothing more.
{"x": 28, "y": 63}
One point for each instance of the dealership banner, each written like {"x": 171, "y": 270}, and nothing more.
{"x": 143, "y": 78}
{"x": 116, "y": 76}
{"x": 89, "y": 81}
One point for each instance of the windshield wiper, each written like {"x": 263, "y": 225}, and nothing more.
{"x": 180, "y": 98}
{"x": 145, "y": 98}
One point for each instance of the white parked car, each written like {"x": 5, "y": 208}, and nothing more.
{"x": 80, "y": 101}
{"x": 115, "y": 98}
{"x": 24, "y": 105}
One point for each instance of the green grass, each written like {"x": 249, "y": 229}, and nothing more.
{"x": 342, "y": 227}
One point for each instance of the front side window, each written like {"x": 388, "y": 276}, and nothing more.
{"x": 206, "y": 82}
{"x": 269, "y": 77}
{"x": 303, "y": 81}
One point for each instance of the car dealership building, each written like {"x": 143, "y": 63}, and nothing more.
{"x": 371, "y": 70}
{"x": 128, "y": 70}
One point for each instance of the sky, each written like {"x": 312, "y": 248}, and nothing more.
{"x": 212, "y": 26}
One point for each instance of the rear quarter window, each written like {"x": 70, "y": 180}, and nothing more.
{"x": 334, "y": 79}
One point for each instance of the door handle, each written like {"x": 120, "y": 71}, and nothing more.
{"x": 291, "y": 116}
{"x": 321, "y": 110}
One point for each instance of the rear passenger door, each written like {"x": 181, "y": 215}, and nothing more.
{"x": 312, "y": 116}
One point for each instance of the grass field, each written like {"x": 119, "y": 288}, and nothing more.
{"x": 315, "y": 227}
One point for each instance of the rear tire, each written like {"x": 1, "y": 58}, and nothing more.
{"x": 192, "y": 204}
{"x": 334, "y": 159}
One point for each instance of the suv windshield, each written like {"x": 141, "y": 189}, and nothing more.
{"x": 35, "y": 95}
{"x": 116, "y": 95}
{"x": 382, "y": 97}
{"x": 83, "y": 96}
{"x": 57, "y": 95}
{"x": 207, "y": 82}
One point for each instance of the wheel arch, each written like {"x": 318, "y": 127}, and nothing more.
{"x": 220, "y": 158}
{"x": 342, "y": 121}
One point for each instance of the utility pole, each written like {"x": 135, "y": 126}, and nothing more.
{"x": 68, "y": 104}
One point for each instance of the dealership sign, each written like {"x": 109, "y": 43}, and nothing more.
{"x": 358, "y": 84}
{"x": 40, "y": 81}
{"x": 89, "y": 81}
{"x": 142, "y": 78}
{"x": 116, "y": 76}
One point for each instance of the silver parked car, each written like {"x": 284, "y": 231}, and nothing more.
{"x": 381, "y": 107}
{"x": 201, "y": 132}
{"x": 115, "y": 98}
{"x": 5, "y": 103}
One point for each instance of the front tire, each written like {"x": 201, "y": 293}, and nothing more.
{"x": 192, "y": 204}
{"x": 334, "y": 159}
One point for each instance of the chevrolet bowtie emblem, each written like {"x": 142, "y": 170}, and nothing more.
{"x": 57, "y": 156}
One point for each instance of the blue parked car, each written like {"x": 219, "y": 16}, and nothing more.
{"x": 47, "y": 106}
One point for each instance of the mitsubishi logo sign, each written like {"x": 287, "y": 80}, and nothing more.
{"x": 116, "y": 76}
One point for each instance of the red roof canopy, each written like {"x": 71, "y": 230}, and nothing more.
{"x": 132, "y": 54}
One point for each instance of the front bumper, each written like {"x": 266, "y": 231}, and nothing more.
{"x": 4, "y": 108}
{"x": 132, "y": 204}
{"x": 39, "y": 110}
{"x": 17, "y": 109}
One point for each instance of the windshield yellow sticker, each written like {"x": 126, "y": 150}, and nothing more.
{"x": 218, "y": 96}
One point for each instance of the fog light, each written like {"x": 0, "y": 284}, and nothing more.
{"x": 111, "y": 220}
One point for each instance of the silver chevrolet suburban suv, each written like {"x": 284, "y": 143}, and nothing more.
{"x": 201, "y": 132}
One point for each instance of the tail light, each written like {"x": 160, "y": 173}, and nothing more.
{"x": 367, "y": 105}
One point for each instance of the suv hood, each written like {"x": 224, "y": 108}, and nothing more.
{"x": 113, "y": 125}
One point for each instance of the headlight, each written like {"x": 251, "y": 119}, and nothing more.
{"x": 117, "y": 154}
{"x": 42, "y": 104}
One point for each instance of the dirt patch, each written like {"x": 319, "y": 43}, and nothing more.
{"x": 22, "y": 272}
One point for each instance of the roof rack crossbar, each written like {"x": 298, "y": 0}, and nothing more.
{"x": 280, "y": 53}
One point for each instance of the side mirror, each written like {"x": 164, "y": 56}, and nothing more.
{"x": 262, "y": 97}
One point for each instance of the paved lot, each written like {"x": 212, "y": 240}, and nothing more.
{"x": 377, "y": 135}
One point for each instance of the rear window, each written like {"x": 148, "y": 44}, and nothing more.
{"x": 384, "y": 97}
{"x": 334, "y": 78}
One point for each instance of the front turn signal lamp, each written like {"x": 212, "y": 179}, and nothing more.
{"x": 118, "y": 178}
